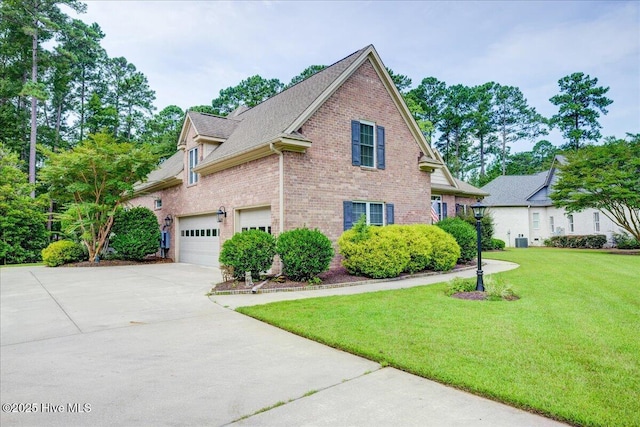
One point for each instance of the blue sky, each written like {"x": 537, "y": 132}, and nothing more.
{"x": 191, "y": 50}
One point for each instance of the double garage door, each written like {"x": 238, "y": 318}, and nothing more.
{"x": 200, "y": 235}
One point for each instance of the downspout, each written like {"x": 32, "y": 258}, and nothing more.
{"x": 281, "y": 190}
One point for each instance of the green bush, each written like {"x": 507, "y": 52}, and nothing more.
{"x": 419, "y": 246}
{"x": 497, "y": 289}
{"x": 136, "y": 233}
{"x": 378, "y": 252}
{"x": 465, "y": 235}
{"x": 625, "y": 241}
{"x": 304, "y": 253}
{"x": 62, "y": 252}
{"x": 446, "y": 250}
{"x": 497, "y": 244}
{"x": 486, "y": 234}
{"x": 251, "y": 250}
{"x": 591, "y": 241}
{"x": 458, "y": 284}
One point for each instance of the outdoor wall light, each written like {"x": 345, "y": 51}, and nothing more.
{"x": 168, "y": 221}
{"x": 478, "y": 214}
{"x": 222, "y": 214}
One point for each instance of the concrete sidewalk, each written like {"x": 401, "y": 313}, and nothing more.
{"x": 142, "y": 345}
{"x": 234, "y": 301}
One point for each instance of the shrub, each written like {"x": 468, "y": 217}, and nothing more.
{"x": 446, "y": 250}
{"x": 136, "y": 233}
{"x": 378, "y": 252}
{"x": 62, "y": 252}
{"x": 458, "y": 284}
{"x": 591, "y": 241}
{"x": 419, "y": 247}
{"x": 497, "y": 290}
{"x": 487, "y": 228}
{"x": 251, "y": 250}
{"x": 304, "y": 253}
{"x": 625, "y": 241}
{"x": 465, "y": 235}
{"x": 497, "y": 244}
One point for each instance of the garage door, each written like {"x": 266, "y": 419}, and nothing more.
{"x": 255, "y": 219}
{"x": 199, "y": 240}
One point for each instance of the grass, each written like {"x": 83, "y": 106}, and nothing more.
{"x": 568, "y": 349}
{"x": 31, "y": 264}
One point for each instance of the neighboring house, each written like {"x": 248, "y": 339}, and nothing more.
{"x": 521, "y": 207}
{"x": 320, "y": 154}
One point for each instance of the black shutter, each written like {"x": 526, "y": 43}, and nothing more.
{"x": 390, "y": 219}
{"x": 380, "y": 147}
{"x": 347, "y": 207}
{"x": 355, "y": 143}
{"x": 444, "y": 210}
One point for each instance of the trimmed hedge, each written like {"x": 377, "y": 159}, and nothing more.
{"x": 497, "y": 244}
{"x": 136, "y": 233}
{"x": 625, "y": 241}
{"x": 383, "y": 252}
{"x": 62, "y": 252}
{"x": 591, "y": 241}
{"x": 251, "y": 250}
{"x": 464, "y": 233}
{"x": 304, "y": 253}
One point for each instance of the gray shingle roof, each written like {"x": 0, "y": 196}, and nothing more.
{"x": 513, "y": 190}
{"x": 213, "y": 126}
{"x": 168, "y": 170}
{"x": 268, "y": 120}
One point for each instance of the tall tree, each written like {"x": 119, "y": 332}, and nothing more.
{"x": 305, "y": 74}
{"x": 93, "y": 180}
{"x": 428, "y": 99}
{"x": 483, "y": 124}
{"x": 249, "y": 92}
{"x": 402, "y": 82}
{"x": 579, "y": 103}
{"x": 40, "y": 20}
{"x": 455, "y": 128}
{"x": 515, "y": 120}
{"x": 163, "y": 130}
{"x": 603, "y": 177}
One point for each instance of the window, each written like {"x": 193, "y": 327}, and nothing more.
{"x": 157, "y": 204}
{"x": 536, "y": 220}
{"x": 438, "y": 209}
{"x": 570, "y": 219}
{"x": 376, "y": 213}
{"x": 552, "y": 226}
{"x": 596, "y": 221}
{"x": 193, "y": 162}
{"x": 367, "y": 144}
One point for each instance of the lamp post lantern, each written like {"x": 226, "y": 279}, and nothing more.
{"x": 478, "y": 214}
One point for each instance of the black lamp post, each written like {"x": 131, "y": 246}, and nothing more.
{"x": 478, "y": 213}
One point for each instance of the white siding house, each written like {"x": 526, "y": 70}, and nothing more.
{"x": 521, "y": 207}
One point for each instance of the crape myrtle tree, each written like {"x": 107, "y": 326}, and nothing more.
{"x": 92, "y": 181}
{"x": 579, "y": 103}
{"x": 604, "y": 177}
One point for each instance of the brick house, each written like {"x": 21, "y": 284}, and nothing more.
{"x": 337, "y": 145}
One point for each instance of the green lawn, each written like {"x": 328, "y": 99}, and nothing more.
{"x": 568, "y": 349}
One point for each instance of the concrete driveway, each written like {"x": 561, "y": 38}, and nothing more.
{"x": 143, "y": 345}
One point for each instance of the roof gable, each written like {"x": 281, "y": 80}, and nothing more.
{"x": 282, "y": 115}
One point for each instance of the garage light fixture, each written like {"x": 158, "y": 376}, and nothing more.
{"x": 168, "y": 221}
{"x": 222, "y": 214}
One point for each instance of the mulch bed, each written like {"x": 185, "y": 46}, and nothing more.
{"x": 479, "y": 296}
{"x": 118, "y": 262}
{"x": 335, "y": 276}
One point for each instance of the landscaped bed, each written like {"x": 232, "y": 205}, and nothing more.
{"x": 568, "y": 348}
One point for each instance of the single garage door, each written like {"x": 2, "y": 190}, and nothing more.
{"x": 255, "y": 219}
{"x": 199, "y": 240}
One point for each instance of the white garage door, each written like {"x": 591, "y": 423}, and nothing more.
{"x": 199, "y": 240}
{"x": 255, "y": 219}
